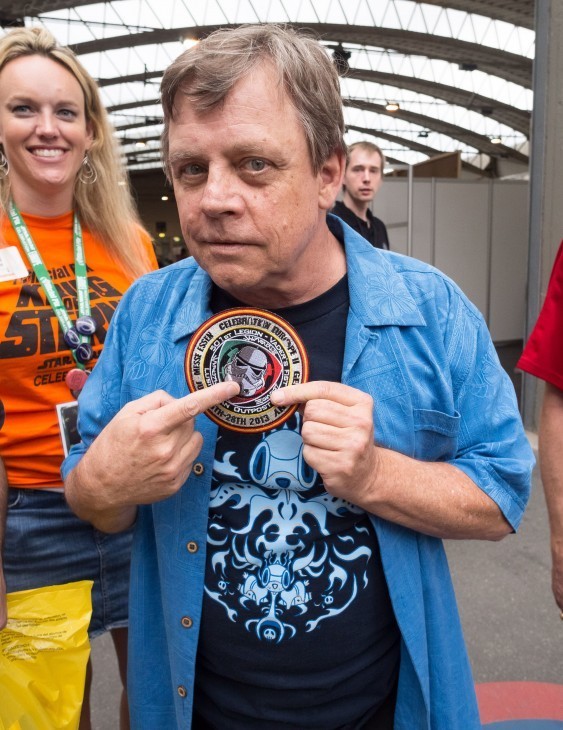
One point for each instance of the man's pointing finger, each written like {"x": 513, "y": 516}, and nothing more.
{"x": 187, "y": 408}
{"x": 318, "y": 389}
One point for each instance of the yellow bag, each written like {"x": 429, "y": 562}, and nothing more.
{"x": 44, "y": 650}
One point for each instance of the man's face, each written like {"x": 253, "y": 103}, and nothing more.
{"x": 363, "y": 176}
{"x": 251, "y": 208}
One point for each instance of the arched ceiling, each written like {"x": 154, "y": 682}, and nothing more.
{"x": 460, "y": 70}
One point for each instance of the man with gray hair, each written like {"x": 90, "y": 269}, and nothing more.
{"x": 288, "y": 568}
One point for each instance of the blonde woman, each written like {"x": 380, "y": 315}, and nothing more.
{"x": 70, "y": 245}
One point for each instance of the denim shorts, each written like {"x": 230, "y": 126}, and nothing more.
{"x": 46, "y": 544}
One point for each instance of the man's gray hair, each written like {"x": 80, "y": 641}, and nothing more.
{"x": 208, "y": 71}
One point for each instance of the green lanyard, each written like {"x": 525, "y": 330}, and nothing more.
{"x": 49, "y": 288}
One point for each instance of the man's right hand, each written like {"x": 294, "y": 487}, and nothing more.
{"x": 143, "y": 455}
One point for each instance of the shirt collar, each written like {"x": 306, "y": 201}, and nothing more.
{"x": 195, "y": 307}
{"x": 378, "y": 295}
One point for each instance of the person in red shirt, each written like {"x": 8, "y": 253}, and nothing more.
{"x": 543, "y": 357}
{"x": 70, "y": 245}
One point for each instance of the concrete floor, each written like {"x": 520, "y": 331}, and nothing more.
{"x": 511, "y": 622}
{"x": 510, "y": 618}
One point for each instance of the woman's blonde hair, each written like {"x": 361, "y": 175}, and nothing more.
{"x": 105, "y": 207}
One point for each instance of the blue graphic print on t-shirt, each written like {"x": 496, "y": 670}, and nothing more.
{"x": 273, "y": 551}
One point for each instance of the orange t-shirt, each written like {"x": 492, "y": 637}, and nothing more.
{"x": 34, "y": 358}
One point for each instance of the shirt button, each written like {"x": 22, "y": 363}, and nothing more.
{"x": 192, "y": 546}
{"x": 187, "y": 623}
{"x": 182, "y": 691}
{"x": 198, "y": 468}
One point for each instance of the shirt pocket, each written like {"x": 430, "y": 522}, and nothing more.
{"x": 436, "y": 434}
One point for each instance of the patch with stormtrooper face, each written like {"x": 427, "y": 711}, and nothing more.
{"x": 257, "y": 349}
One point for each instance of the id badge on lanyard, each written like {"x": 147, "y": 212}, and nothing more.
{"x": 77, "y": 336}
{"x": 11, "y": 264}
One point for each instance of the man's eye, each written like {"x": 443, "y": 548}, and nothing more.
{"x": 21, "y": 109}
{"x": 256, "y": 164}
{"x": 192, "y": 169}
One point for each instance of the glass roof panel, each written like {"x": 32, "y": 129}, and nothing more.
{"x": 135, "y": 101}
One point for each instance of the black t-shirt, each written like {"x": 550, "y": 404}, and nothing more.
{"x": 297, "y": 628}
{"x": 373, "y": 230}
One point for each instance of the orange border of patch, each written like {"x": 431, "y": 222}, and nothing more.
{"x": 240, "y": 312}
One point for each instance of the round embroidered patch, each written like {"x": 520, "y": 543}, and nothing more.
{"x": 261, "y": 352}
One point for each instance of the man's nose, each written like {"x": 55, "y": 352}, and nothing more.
{"x": 222, "y": 194}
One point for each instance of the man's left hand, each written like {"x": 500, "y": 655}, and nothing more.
{"x": 337, "y": 433}
{"x": 431, "y": 497}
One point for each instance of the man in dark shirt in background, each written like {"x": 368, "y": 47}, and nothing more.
{"x": 362, "y": 180}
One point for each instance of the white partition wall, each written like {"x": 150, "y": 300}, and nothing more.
{"x": 462, "y": 245}
{"x": 509, "y": 260}
{"x": 424, "y": 223}
{"x": 474, "y": 231}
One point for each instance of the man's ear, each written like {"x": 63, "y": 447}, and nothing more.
{"x": 330, "y": 179}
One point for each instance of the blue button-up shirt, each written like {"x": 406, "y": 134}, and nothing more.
{"x": 422, "y": 350}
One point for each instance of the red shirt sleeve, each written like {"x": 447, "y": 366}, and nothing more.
{"x": 543, "y": 353}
